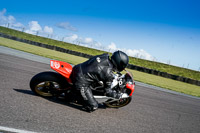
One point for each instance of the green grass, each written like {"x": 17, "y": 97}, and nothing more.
{"x": 167, "y": 83}
{"x": 138, "y": 76}
{"x": 72, "y": 59}
{"x": 136, "y": 61}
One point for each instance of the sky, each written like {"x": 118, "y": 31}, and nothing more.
{"x": 166, "y": 31}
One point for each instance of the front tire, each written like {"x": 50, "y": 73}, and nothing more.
{"x": 47, "y": 84}
{"x": 120, "y": 103}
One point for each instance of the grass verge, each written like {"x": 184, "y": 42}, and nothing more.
{"x": 138, "y": 76}
{"x": 72, "y": 59}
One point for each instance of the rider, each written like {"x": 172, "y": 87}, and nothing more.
{"x": 96, "y": 69}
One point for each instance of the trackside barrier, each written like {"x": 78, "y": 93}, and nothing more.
{"x": 130, "y": 66}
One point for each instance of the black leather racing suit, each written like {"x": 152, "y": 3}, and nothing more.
{"x": 84, "y": 75}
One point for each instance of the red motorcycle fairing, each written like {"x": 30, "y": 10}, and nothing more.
{"x": 63, "y": 68}
{"x": 131, "y": 87}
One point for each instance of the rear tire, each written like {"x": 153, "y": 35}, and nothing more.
{"x": 47, "y": 84}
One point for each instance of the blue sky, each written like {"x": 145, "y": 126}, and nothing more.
{"x": 166, "y": 31}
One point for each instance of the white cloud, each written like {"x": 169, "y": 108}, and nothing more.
{"x": 66, "y": 25}
{"x": 139, "y": 54}
{"x": 132, "y": 52}
{"x": 97, "y": 44}
{"x": 87, "y": 40}
{"x": 48, "y": 30}
{"x": 112, "y": 47}
{"x": 3, "y": 18}
{"x": 71, "y": 38}
{"x": 18, "y": 25}
{"x": 9, "y": 20}
{"x": 34, "y": 28}
{"x": 6, "y": 19}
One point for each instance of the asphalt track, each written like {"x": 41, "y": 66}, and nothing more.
{"x": 151, "y": 111}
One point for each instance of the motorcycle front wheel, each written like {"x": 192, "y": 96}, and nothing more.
{"x": 47, "y": 84}
{"x": 120, "y": 103}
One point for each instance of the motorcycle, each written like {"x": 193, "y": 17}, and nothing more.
{"x": 58, "y": 84}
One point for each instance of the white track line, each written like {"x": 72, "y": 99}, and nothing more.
{"x": 14, "y": 130}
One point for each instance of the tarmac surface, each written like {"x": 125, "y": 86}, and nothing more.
{"x": 150, "y": 110}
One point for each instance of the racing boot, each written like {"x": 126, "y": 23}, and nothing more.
{"x": 90, "y": 104}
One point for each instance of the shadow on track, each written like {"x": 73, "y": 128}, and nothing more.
{"x": 24, "y": 91}
{"x": 56, "y": 100}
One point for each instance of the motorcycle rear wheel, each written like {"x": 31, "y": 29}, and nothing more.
{"x": 119, "y": 103}
{"x": 47, "y": 84}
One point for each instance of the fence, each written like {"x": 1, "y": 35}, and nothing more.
{"x": 130, "y": 66}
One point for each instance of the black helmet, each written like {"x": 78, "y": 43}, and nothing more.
{"x": 119, "y": 60}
